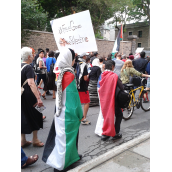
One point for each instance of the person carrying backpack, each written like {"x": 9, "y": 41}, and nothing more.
{"x": 82, "y": 85}
{"x": 50, "y": 85}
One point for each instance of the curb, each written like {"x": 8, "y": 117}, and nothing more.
{"x": 110, "y": 154}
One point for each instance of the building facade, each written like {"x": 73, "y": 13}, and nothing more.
{"x": 141, "y": 32}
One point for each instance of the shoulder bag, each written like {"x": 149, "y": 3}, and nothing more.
{"x": 22, "y": 89}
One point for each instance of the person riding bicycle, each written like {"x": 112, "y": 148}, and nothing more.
{"x": 128, "y": 70}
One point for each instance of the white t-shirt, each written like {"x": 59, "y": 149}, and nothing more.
{"x": 43, "y": 64}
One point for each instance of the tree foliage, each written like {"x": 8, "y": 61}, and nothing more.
{"x": 37, "y": 14}
{"x": 100, "y": 10}
{"x": 33, "y": 17}
{"x": 140, "y": 10}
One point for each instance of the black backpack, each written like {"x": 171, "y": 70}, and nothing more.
{"x": 123, "y": 98}
{"x": 36, "y": 67}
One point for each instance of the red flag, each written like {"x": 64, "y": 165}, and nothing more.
{"x": 121, "y": 35}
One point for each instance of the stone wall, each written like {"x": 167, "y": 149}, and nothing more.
{"x": 125, "y": 47}
{"x": 39, "y": 39}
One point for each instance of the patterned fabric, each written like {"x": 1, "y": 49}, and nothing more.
{"x": 92, "y": 88}
{"x": 63, "y": 64}
{"x": 130, "y": 72}
{"x": 59, "y": 87}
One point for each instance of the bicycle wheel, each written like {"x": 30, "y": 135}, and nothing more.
{"x": 127, "y": 112}
{"x": 145, "y": 101}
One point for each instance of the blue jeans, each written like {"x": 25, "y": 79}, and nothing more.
{"x": 23, "y": 157}
{"x": 148, "y": 83}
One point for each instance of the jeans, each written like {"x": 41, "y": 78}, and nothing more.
{"x": 23, "y": 157}
{"x": 118, "y": 115}
{"x": 41, "y": 76}
{"x": 148, "y": 83}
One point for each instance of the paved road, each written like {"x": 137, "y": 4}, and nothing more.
{"x": 90, "y": 145}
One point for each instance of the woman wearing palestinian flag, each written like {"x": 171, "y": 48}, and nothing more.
{"x": 61, "y": 146}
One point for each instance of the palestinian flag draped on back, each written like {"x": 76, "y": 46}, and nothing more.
{"x": 105, "y": 123}
{"x": 117, "y": 41}
{"x": 60, "y": 149}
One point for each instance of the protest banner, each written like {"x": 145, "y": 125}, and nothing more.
{"x": 75, "y": 31}
{"x": 139, "y": 50}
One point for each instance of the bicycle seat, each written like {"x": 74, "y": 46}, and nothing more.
{"x": 129, "y": 86}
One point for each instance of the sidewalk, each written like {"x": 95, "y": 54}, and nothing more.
{"x": 131, "y": 156}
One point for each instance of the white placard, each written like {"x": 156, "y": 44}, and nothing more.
{"x": 76, "y": 31}
{"x": 139, "y": 50}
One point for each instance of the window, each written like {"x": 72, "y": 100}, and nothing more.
{"x": 130, "y": 33}
{"x": 139, "y": 45}
{"x": 139, "y": 34}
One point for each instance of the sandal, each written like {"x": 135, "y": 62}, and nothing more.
{"x": 31, "y": 160}
{"x": 39, "y": 144}
{"x": 44, "y": 97}
{"x": 26, "y": 144}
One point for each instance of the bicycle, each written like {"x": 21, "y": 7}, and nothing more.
{"x": 139, "y": 101}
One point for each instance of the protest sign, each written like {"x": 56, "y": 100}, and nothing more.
{"x": 75, "y": 31}
{"x": 139, "y": 50}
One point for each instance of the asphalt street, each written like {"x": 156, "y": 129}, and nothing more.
{"x": 90, "y": 145}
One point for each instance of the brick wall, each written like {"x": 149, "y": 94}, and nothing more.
{"x": 39, "y": 39}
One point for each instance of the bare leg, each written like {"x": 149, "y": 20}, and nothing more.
{"x": 40, "y": 83}
{"x": 54, "y": 95}
{"x": 24, "y": 142}
{"x": 86, "y": 107}
{"x": 44, "y": 93}
{"x": 35, "y": 138}
{"x": 23, "y": 139}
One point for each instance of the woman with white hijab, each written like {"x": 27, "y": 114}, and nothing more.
{"x": 93, "y": 78}
{"x": 61, "y": 145}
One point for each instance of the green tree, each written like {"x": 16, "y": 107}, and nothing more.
{"x": 140, "y": 9}
{"x": 33, "y": 17}
{"x": 100, "y": 10}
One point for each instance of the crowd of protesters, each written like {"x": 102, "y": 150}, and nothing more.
{"x": 85, "y": 78}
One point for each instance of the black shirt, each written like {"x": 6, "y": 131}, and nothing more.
{"x": 26, "y": 73}
{"x": 140, "y": 64}
{"x": 83, "y": 83}
{"x": 95, "y": 73}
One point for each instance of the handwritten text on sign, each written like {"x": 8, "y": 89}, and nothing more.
{"x": 75, "y": 31}
{"x": 72, "y": 40}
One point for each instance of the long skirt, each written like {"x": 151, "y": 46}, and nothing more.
{"x": 50, "y": 84}
{"x": 31, "y": 119}
{"x": 92, "y": 88}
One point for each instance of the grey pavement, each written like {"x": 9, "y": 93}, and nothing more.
{"x": 131, "y": 156}
{"x": 90, "y": 145}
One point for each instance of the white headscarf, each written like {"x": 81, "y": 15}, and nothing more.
{"x": 64, "y": 60}
{"x": 96, "y": 62}
{"x": 64, "y": 64}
